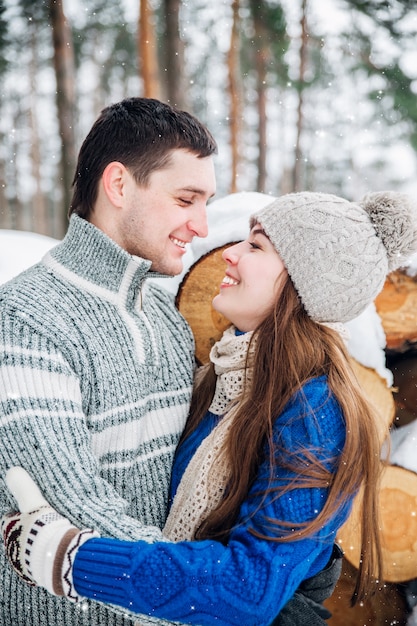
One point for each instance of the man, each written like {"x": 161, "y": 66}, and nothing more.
{"x": 96, "y": 363}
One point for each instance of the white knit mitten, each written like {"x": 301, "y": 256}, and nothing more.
{"x": 40, "y": 543}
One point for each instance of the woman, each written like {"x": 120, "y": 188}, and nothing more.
{"x": 279, "y": 440}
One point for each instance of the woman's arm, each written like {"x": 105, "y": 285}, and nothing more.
{"x": 246, "y": 582}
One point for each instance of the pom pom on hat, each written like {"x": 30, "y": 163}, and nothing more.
{"x": 394, "y": 218}
{"x": 338, "y": 253}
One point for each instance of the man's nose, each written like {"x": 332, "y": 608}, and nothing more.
{"x": 198, "y": 223}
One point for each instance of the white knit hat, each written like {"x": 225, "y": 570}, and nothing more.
{"x": 338, "y": 253}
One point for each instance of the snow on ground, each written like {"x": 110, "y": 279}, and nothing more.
{"x": 228, "y": 220}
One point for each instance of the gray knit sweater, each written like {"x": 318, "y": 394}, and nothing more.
{"x": 95, "y": 383}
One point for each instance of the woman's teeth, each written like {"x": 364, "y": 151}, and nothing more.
{"x": 229, "y": 281}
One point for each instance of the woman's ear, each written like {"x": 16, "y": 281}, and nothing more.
{"x": 114, "y": 181}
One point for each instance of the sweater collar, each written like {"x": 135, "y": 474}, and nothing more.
{"x": 88, "y": 252}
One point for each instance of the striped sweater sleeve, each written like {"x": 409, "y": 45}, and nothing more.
{"x": 43, "y": 427}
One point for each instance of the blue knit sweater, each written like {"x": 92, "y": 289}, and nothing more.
{"x": 96, "y": 368}
{"x": 248, "y": 581}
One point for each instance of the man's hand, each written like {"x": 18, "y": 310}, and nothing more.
{"x": 40, "y": 543}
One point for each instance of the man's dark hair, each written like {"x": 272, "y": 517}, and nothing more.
{"x": 141, "y": 133}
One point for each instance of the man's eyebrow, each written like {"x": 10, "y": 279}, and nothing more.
{"x": 196, "y": 190}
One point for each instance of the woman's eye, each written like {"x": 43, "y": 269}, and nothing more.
{"x": 184, "y": 201}
{"x": 254, "y": 245}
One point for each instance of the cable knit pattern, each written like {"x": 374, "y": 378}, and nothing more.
{"x": 247, "y": 582}
{"x": 338, "y": 253}
{"x": 95, "y": 382}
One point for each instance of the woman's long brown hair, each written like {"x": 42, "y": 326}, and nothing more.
{"x": 290, "y": 350}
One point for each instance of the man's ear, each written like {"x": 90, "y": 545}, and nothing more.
{"x": 114, "y": 181}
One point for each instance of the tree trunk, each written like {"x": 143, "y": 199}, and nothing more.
{"x": 16, "y": 209}
{"x": 233, "y": 62}
{"x": 261, "y": 59}
{"x": 174, "y": 55}
{"x": 5, "y": 217}
{"x": 40, "y": 219}
{"x": 298, "y": 166}
{"x": 65, "y": 97}
{"x": 262, "y": 120}
{"x": 147, "y": 51}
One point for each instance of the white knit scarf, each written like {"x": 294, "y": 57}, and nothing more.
{"x": 203, "y": 483}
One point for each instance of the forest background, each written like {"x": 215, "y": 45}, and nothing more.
{"x": 299, "y": 94}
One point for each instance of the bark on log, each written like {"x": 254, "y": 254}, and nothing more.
{"x": 404, "y": 369}
{"x": 397, "y": 307}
